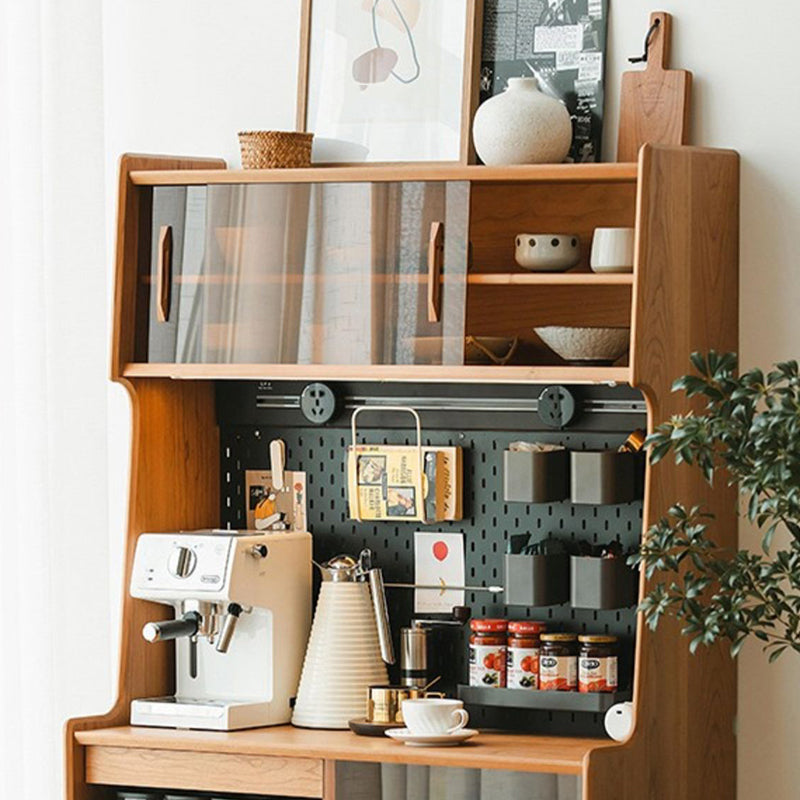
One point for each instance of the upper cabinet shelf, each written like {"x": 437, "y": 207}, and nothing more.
{"x": 381, "y": 272}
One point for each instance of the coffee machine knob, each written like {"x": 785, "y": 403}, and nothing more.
{"x": 181, "y": 562}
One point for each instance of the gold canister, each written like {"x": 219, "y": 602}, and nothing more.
{"x": 385, "y": 703}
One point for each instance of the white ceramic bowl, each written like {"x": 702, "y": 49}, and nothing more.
{"x": 612, "y": 250}
{"x": 586, "y": 345}
{"x": 547, "y": 252}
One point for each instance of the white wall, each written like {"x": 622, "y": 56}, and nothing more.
{"x": 182, "y": 76}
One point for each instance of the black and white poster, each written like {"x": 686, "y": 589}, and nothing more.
{"x": 560, "y": 42}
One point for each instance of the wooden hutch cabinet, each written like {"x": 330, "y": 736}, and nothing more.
{"x": 376, "y": 276}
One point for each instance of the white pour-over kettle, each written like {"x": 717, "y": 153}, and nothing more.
{"x": 349, "y": 646}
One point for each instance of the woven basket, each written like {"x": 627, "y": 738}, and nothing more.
{"x": 275, "y": 149}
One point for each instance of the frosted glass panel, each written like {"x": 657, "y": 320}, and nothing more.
{"x": 361, "y": 781}
{"x": 310, "y": 274}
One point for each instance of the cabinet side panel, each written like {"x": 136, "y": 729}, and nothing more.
{"x": 174, "y": 486}
{"x": 685, "y": 299}
{"x": 132, "y": 209}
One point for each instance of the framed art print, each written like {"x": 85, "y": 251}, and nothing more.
{"x": 388, "y": 80}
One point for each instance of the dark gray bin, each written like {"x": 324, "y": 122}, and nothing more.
{"x": 602, "y": 583}
{"x": 536, "y": 580}
{"x": 604, "y": 477}
{"x": 535, "y": 477}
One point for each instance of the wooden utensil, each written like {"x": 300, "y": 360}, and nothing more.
{"x": 654, "y": 102}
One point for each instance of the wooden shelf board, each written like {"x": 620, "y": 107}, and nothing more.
{"x": 382, "y": 372}
{"x": 473, "y": 279}
{"x": 549, "y": 279}
{"x": 520, "y": 752}
{"x": 544, "y": 173}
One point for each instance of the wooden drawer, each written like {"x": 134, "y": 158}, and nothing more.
{"x": 204, "y": 771}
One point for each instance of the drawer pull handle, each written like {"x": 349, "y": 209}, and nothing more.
{"x": 435, "y": 262}
{"x": 164, "y": 273}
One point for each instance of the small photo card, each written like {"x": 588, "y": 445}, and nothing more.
{"x": 438, "y": 561}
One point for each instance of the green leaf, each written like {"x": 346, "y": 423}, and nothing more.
{"x": 776, "y": 653}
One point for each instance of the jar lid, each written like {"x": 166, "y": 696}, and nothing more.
{"x": 488, "y": 625}
{"x": 526, "y": 626}
{"x": 598, "y": 639}
{"x": 559, "y": 637}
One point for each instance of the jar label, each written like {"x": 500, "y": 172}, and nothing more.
{"x": 487, "y": 665}
{"x": 558, "y": 673}
{"x": 597, "y": 674}
{"x": 523, "y": 667}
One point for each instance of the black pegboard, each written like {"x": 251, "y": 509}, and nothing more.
{"x": 488, "y": 522}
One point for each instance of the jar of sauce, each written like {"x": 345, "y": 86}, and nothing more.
{"x": 597, "y": 664}
{"x": 487, "y": 653}
{"x": 523, "y": 654}
{"x": 558, "y": 662}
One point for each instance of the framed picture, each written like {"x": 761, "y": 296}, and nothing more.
{"x": 560, "y": 42}
{"x": 389, "y": 80}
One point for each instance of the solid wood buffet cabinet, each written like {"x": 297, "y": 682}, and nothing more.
{"x": 309, "y": 275}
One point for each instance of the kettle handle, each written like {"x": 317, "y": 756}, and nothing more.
{"x": 378, "y": 593}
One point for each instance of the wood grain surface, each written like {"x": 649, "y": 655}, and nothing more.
{"x": 686, "y": 299}
{"x": 540, "y": 173}
{"x": 654, "y": 101}
{"x": 557, "y": 754}
{"x": 204, "y": 771}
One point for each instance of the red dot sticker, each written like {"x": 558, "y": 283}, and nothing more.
{"x": 440, "y": 551}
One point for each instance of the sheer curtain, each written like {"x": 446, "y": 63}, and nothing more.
{"x": 55, "y": 658}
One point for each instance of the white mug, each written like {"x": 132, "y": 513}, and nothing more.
{"x": 434, "y": 716}
{"x": 612, "y": 250}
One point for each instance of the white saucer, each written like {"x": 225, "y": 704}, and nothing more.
{"x": 431, "y": 740}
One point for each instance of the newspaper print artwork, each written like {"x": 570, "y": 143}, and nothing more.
{"x": 561, "y": 43}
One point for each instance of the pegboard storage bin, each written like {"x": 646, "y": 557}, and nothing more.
{"x": 537, "y": 580}
{"x": 605, "y": 477}
{"x": 535, "y": 477}
{"x": 602, "y": 583}
{"x": 590, "y": 702}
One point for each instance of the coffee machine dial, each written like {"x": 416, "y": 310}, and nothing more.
{"x": 181, "y": 562}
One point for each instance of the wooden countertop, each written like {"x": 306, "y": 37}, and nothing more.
{"x": 520, "y": 752}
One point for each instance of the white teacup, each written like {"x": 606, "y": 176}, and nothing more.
{"x": 434, "y": 716}
{"x": 612, "y": 250}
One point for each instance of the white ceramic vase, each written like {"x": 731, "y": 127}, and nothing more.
{"x": 522, "y": 126}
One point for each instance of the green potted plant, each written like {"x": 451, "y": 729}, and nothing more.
{"x": 749, "y": 435}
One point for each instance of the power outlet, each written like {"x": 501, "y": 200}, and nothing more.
{"x": 318, "y": 403}
{"x": 556, "y": 407}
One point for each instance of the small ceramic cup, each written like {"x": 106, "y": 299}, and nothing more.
{"x": 434, "y": 716}
{"x": 612, "y": 250}
{"x": 547, "y": 252}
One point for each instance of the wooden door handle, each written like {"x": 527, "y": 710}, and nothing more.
{"x": 435, "y": 263}
{"x": 164, "y": 273}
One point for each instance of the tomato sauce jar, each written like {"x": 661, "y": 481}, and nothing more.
{"x": 558, "y": 662}
{"x": 597, "y": 664}
{"x": 487, "y": 653}
{"x": 523, "y": 654}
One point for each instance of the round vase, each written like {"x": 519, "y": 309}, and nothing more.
{"x": 522, "y": 126}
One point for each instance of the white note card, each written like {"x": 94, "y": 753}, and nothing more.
{"x": 438, "y": 561}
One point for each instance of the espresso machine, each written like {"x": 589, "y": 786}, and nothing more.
{"x": 242, "y": 603}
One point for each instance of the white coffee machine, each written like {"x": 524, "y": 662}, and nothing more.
{"x": 242, "y": 605}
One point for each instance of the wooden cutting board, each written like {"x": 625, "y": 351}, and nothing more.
{"x": 654, "y": 102}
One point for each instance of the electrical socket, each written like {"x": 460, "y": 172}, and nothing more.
{"x": 318, "y": 403}
{"x": 556, "y": 407}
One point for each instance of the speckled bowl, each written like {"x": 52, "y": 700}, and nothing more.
{"x": 596, "y": 346}
{"x": 547, "y": 252}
